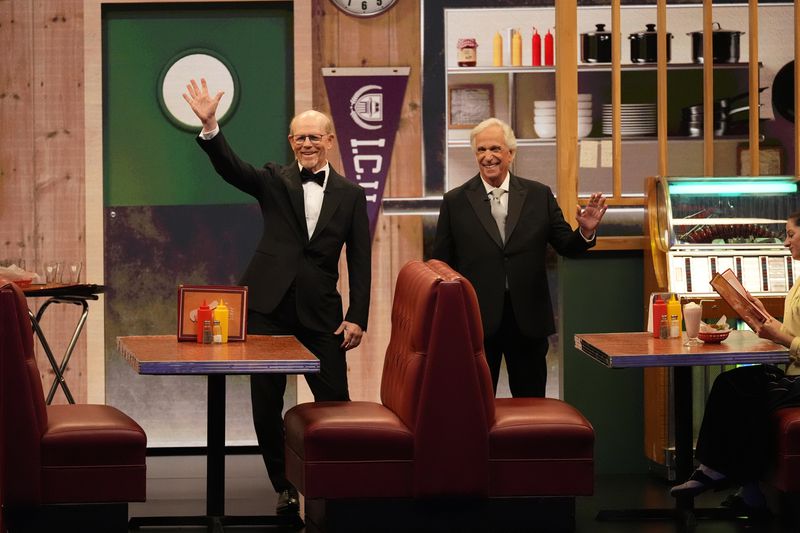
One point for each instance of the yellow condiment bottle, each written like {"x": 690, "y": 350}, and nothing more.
{"x": 674, "y": 315}
{"x": 221, "y": 313}
{"x": 516, "y": 49}
{"x": 497, "y": 48}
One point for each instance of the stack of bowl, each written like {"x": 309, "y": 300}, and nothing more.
{"x": 584, "y": 115}
{"x": 544, "y": 118}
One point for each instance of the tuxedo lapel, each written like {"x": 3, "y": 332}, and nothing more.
{"x": 516, "y": 199}
{"x": 476, "y": 194}
{"x": 334, "y": 193}
{"x": 294, "y": 187}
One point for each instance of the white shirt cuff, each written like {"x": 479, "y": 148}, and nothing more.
{"x": 208, "y": 135}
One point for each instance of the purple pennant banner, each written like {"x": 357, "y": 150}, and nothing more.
{"x": 365, "y": 107}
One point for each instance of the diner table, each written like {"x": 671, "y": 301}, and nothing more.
{"x": 641, "y": 349}
{"x": 165, "y": 355}
{"x": 61, "y": 293}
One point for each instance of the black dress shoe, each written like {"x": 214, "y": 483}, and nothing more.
{"x": 703, "y": 484}
{"x": 288, "y": 502}
{"x": 736, "y": 503}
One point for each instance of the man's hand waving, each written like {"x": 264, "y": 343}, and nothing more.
{"x": 203, "y": 105}
{"x": 590, "y": 216}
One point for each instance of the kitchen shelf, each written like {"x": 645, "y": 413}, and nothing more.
{"x": 592, "y": 67}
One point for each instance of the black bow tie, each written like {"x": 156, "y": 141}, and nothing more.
{"x": 306, "y": 176}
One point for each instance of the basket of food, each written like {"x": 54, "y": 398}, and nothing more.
{"x": 713, "y": 336}
{"x": 713, "y": 333}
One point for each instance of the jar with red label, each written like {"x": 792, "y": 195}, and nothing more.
{"x": 467, "y": 52}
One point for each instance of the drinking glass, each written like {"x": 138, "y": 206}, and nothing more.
{"x": 52, "y": 272}
{"x": 73, "y": 272}
{"x": 692, "y": 313}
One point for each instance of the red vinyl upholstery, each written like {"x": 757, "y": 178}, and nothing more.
{"x": 438, "y": 431}
{"x": 58, "y": 454}
{"x": 786, "y": 473}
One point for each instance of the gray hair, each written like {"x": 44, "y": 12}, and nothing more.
{"x": 508, "y": 133}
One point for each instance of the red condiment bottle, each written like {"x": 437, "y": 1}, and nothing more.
{"x": 659, "y": 312}
{"x": 203, "y": 315}
{"x": 536, "y": 49}
{"x": 549, "y": 48}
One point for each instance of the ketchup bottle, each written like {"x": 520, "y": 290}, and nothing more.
{"x": 536, "y": 49}
{"x": 549, "y": 47}
{"x": 659, "y": 312}
{"x": 203, "y": 316}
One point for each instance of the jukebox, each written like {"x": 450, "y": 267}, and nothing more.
{"x": 698, "y": 227}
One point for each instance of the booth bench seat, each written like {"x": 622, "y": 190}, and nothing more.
{"x": 62, "y": 467}
{"x": 439, "y": 449}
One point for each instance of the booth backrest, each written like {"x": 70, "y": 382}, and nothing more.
{"x": 435, "y": 359}
{"x": 23, "y": 415}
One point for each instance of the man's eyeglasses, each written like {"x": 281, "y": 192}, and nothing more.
{"x": 300, "y": 139}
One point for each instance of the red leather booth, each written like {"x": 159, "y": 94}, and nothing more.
{"x": 439, "y": 445}
{"x": 785, "y": 475}
{"x": 63, "y": 467}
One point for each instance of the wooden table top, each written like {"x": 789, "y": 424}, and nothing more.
{"x": 80, "y": 290}
{"x": 641, "y": 349}
{"x": 163, "y": 354}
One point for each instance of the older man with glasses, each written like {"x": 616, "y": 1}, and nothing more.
{"x": 309, "y": 213}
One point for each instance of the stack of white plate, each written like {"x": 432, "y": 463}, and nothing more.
{"x": 544, "y": 118}
{"x": 635, "y": 119}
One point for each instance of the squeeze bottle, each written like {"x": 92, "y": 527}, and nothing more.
{"x": 659, "y": 312}
{"x": 222, "y": 314}
{"x": 516, "y": 49}
{"x": 549, "y": 49}
{"x": 536, "y": 49}
{"x": 674, "y": 314}
{"x": 497, "y": 49}
{"x": 203, "y": 316}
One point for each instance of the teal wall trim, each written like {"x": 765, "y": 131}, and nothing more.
{"x": 602, "y": 293}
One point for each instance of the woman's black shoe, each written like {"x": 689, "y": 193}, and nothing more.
{"x": 704, "y": 483}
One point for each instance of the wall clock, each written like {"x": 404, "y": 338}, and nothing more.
{"x": 364, "y": 8}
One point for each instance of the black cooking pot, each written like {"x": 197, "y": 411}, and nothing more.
{"x": 596, "y": 45}
{"x": 692, "y": 123}
{"x": 783, "y": 92}
{"x": 644, "y": 45}
{"x": 725, "y": 45}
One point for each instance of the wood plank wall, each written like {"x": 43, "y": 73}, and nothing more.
{"x": 389, "y": 40}
{"x": 42, "y": 186}
{"x": 41, "y": 153}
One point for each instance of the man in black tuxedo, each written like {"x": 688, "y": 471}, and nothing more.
{"x": 494, "y": 230}
{"x": 309, "y": 213}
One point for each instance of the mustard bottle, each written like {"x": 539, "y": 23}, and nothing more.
{"x": 516, "y": 49}
{"x": 674, "y": 315}
{"x": 221, "y": 314}
{"x": 497, "y": 48}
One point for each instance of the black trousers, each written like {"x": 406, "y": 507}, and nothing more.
{"x": 267, "y": 390}
{"x": 735, "y": 437}
{"x": 526, "y": 357}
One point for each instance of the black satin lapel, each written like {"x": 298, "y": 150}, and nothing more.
{"x": 516, "y": 199}
{"x": 295, "y": 190}
{"x": 330, "y": 202}
{"x": 480, "y": 203}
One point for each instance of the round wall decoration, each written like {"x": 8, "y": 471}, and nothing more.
{"x": 196, "y": 64}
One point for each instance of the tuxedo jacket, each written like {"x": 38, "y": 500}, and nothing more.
{"x": 286, "y": 255}
{"x": 467, "y": 239}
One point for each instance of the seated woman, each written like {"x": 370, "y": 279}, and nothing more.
{"x": 733, "y": 443}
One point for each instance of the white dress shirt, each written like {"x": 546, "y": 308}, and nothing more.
{"x": 312, "y": 192}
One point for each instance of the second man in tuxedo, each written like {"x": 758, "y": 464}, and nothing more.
{"x": 310, "y": 213}
{"x": 494, "y": 230}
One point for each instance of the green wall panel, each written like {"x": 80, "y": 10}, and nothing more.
{"x": 150, "y": 161}
{"x": 602, "y": 293}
